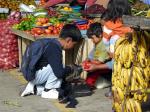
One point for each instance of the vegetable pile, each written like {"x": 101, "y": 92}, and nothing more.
{"x": 9, "y": 47}
{"x": 25, "y": 24}
{"x": 94, "y": 9}
{"x": 140, "y": 9}
{"x": 14, "y": 4}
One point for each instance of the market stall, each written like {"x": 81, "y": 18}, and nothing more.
{"x": 132, "y": 60}
{"x": 36, "y": 22}
{"x": 44, "y": 23}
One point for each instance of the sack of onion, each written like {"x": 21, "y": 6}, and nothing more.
{"x": 8, "y": 45}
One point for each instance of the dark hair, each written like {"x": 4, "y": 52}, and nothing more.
{"x": 72, "y": 31}
{"x": 116, "y": 9}
{"x": 94, "y": 29}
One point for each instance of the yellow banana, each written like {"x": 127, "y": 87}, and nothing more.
{"x": 140, "y": 97}
{"x": 135, "y": 96}
{"x": 117, "y": 53}
{"x": 125, "y": 76}
{"x": 147, "y": 38}
{"x": 118, "y": 84}
{"x": 116, "y": 72}
{"x": 131, "y": 53}
{"x": 121, "y": 94}
{"x": 132, "y": 105}
{"x": 138, "y": 106}
{"x": 145, "y": 98}
{"x": 143, "y": 42}
{"x": 137, "y": 74}
{"x": 142, "y": 52}
{"x": 127, "y": 64}
{"x": 142, "y": 58}
{"x": 132, "y": 84}
{"x": 115, "y": 94}
{"x": 140, "y": 72}
{"x": 128, "y": 106}
{"x": 119, "y": 41}
{"x": 134, "y": 40}
{"x": 128, "y": 75}
{"x": 119, "y": 67}
{"x": 117, "y": 107}
{"x": 121, "y": 79}
{"x": 124, "y": 53}
{"x": 147, "y": 73}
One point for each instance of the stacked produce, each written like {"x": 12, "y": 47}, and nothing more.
{"x": 9, "y": 45}
{"x": 50, "y": 21}
{"x": 140, "y": 9}
{"x": 52, "y": 12}
{"x": 131, "y": 73}
{"x": 25, "y": 23}
{"x": 94, "y": 9}
{"x": 40, "y": 25}
{"x": 14, "y": 4}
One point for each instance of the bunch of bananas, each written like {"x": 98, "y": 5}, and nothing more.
{"x": 131, "y": 57}
{"x": 130, "y": 106}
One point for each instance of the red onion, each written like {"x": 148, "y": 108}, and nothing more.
{"x": 9, "y": 46}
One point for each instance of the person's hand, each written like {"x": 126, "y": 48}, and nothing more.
{"x": 90, "y": 65}
{"x": 85, "y": 61}
{"x": 91, "y": 68}
{"x": 85, "y": 64}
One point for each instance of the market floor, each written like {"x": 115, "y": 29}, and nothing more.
{"x": 12, "y": 83}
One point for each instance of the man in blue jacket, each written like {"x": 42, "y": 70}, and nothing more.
{"x": 49, "y": 69}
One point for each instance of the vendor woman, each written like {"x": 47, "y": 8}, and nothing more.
{"x": 83, "y": 3}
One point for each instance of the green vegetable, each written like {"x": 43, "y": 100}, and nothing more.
{"x": 54, "y": 20}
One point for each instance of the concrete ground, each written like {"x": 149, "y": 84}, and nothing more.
{"x": 12, "y": 83}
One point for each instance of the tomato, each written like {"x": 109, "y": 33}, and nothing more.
{"x": 50, "y": 27}
{"x": 38, "y": 23}
{"x": 39, "y": 31}
{"x": 86, "y": 65}
{"x": 47, "y": 31}
{"x": 61, "y": 25}
{"x": 46, "y": 19}
{"x": 43, "y": 20}
{"x": 55, "y": 31}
